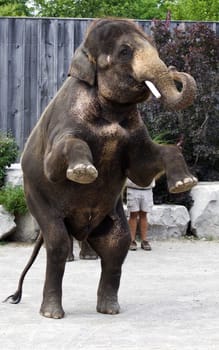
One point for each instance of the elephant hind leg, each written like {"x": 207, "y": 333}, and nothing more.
{"x": 57, "y": 248}
{"x": 107, "y": 301}
{"x": 111, "y": 265}
{"x": 86, "y": 252}
{"x": 112, "y": 247}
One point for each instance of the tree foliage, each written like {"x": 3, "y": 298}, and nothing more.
{"x": 14, "y": 8}
{"x": 141, "y": 9}
{"x": 198, "y": 10}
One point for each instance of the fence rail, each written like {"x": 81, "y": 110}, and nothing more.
{"x": 35, "y": 55}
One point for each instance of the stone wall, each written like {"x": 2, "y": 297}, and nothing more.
{"x": 165, "y": 221}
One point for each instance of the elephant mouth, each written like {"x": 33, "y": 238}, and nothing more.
{"x": 146, "y": 85}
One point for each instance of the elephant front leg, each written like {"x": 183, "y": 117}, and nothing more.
{"x": 70, "y": 158}
{"x": 179, "y": 178}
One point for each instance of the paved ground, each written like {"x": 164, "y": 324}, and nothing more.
{"x": 169, "y": 301}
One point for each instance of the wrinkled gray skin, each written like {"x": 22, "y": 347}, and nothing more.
{"x": 88, "y": 141}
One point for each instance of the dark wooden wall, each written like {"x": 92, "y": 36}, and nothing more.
{"x": 35, "y": 55}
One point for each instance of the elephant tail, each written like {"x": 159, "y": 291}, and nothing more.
{"x": 16, "y": 297}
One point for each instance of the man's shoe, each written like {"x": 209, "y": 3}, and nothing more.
{"x": 133, "y": 246}
{"x": 145, "y": 245}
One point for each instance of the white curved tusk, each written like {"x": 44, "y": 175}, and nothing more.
{"x": 152, "y": 88}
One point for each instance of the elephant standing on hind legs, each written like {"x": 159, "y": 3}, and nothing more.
{"x": 87, "y": 142}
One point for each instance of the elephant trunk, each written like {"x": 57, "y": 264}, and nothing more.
{"x": 148, "y": 67}
{"x": 173, "y": 98}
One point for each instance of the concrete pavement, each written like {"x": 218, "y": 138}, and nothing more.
{"x": 169, "y": 300}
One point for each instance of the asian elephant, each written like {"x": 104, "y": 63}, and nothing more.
{"x": 87, "y": 142}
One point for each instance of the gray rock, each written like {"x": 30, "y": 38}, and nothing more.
{"x": 27, "y": 228}
{"x": 168, "y": 221}
{"x": 14, "y": 175}
{"x": 7, "y": 223}
{"x": 205, "y": 210}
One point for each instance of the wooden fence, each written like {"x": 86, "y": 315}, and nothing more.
{"x": 35, "y": 55}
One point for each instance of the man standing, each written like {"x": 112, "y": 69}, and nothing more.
{"x": 139, "y": 203}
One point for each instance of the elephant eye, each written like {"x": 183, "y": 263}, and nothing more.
{"x": 125, "y": 52}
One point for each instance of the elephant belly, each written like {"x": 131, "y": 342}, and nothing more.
{"x": 83, "y": 221}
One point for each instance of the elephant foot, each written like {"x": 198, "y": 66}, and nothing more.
{"x": 52, "y": 310}
{"x": 82, "y": 173}
{"x": 184, "y": 185}
{"x": 86, "y": 252}
{"x": 88, "y": 256}
{"x": 108, "y": 306}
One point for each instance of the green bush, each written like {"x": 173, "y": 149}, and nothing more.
{"x": 8, "y": 153}
{"x": 13, "y": 199}
{"x": 163, "y": 138}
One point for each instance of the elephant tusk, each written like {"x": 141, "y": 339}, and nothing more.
{"x": 152, "y": 88}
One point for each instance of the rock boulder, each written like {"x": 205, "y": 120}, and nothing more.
{"x": 205, "y": 210}
{"x": 14, "y": 175}
{"x": 26, "y": 230}
{"x": 168, "y": 221}
{"x": 7, "y": 223}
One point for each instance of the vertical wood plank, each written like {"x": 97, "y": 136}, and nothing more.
{"x": 30, "y": 77}
{"x": 65, "y": 49}
{"x": 4, "y": 74}
{"x": 16, "y": 36}
{"x": 39, "y": 68}
{"x": 48, "y": 61}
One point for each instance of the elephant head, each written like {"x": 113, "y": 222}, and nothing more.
{"x": 122, "y": 61}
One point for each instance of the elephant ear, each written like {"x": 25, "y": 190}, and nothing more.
{"x": 83, "y": 66}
